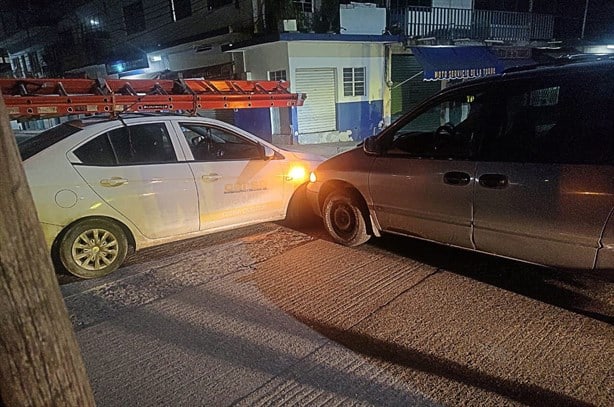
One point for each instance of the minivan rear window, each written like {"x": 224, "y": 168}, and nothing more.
{"x": 38, "y": 143}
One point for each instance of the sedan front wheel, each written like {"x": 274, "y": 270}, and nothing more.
{"x": 93, "y": 248}
{"x": 344, "y": 220}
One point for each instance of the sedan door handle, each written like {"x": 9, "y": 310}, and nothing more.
{"x": 494, "y": 181}
{"x": 456, "y": 178}
{"x": 113, "y": 182}
{"x": 212, "y": 177}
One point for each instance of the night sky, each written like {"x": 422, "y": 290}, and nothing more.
{"x": 568, "y": 25}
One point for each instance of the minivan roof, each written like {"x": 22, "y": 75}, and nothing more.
{"x": 538, "y": 71}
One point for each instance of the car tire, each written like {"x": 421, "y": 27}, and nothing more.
{"x": 344, "y": 220}
{"x": 93, "y": 248}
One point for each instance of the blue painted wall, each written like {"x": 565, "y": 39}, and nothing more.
{"x": 362, "y": 118}
{"x": 256, "y": 121}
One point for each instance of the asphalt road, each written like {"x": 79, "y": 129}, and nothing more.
{"x": 271, "y": 316}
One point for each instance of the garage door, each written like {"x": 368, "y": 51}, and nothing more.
{"x": 318, "y": 113}
{"x": 408, "y": 93}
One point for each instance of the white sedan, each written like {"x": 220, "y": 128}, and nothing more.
{"x": 105, "y": 186}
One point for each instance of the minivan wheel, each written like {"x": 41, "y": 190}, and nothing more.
{"x": 344, "y": 220}
{"x": 93, "y": 248}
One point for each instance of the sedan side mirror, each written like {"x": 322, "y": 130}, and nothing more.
{"x": 269, "y": 153}
{"x": 371, "y": 146}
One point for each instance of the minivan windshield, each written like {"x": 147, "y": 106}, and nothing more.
{"x": 36, "y": 144}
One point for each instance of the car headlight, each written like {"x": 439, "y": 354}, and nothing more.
{"x": 297, "y": 173}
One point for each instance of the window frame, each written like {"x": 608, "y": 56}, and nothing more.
{"x": 306, "y": 6}
{"x": 353, "y": 83}
{"x": 107, "y": 134}
{"x": 278, "y": 75}
{"x": 245, "y": 140}
{"x": 472, "y": 154}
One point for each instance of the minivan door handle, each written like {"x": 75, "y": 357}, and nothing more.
{"x": 495, "y": 181}
{"x": 456, "y": 178}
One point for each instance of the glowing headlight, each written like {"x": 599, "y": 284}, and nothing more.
{"x": 312, "y": 177}
{"x": 297, "y": 173}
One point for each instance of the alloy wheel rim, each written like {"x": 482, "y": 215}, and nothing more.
{"x": 95, "y": 249}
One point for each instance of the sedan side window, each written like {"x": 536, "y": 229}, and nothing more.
{"x": 140, "y": 144}
{"x": 209, "y": 143}
{"x": 448, "y": 130}
{"x": 97, "y": 152}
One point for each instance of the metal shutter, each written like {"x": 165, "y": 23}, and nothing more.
{"x": 225, "y": 115}
{"x": 318, "y": 113}
{"x": 408, "y": 95}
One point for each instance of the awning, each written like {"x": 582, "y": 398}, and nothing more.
{"x": 457, "y": 62}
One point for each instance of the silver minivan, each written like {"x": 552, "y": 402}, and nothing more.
{"x": 519, "y": 165}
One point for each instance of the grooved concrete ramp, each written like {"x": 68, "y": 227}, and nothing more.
{"x": 453, "y": 339}
{"x": 191, "y": 329}
{"x": 266, "y": 316}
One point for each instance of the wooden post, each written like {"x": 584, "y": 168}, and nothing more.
{"x": 40, "y": 361}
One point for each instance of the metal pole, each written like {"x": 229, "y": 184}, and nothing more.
{"x": 584, "y": 19}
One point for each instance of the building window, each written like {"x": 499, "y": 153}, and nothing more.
{"x": 134, "y": 18}
{"x": 277, "y": 75}
{"x": 211, "y": 4}
{"x": 181, "y": 9}
{"x": 354, "y": 81}
{"x": 304, "y": 5}
{"x": 17, "y": 69}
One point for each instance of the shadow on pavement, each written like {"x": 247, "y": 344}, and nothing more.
{"x": 526, "y": 393}
{"x": 584, "y": 292}
{"x": 578, "y": 291}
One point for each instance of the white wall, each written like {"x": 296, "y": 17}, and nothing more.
{"x": 453, "y": 3}
{"x": 267, "y": 57}
{"x": 339, "y": 55}
{"x": 359, "y": 19}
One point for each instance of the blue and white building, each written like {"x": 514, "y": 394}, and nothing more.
{"x": 343, "y": 76}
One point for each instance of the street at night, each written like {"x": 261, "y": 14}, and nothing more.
{"x": 306, "y": 203}
{"x": 268, "y": 315}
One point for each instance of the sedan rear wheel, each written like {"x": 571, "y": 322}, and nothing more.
{"x": 344, "y": 220}
{"x": 93, "y": 248}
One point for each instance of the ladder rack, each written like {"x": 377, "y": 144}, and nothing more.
{"x": 44, "y": 98}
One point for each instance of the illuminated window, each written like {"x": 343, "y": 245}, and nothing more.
{"x": 277, "y": 75}
{"x": 354, "y": 81}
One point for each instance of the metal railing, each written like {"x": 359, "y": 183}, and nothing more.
{"x": 454, "y": 23}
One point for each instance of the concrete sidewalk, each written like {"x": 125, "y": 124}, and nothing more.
{"x": 194, "y": 329}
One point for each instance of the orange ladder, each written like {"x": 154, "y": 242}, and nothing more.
{"x": 44, "y": 98}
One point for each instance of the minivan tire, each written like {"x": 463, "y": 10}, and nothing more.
{"x": 344, "y": 220}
